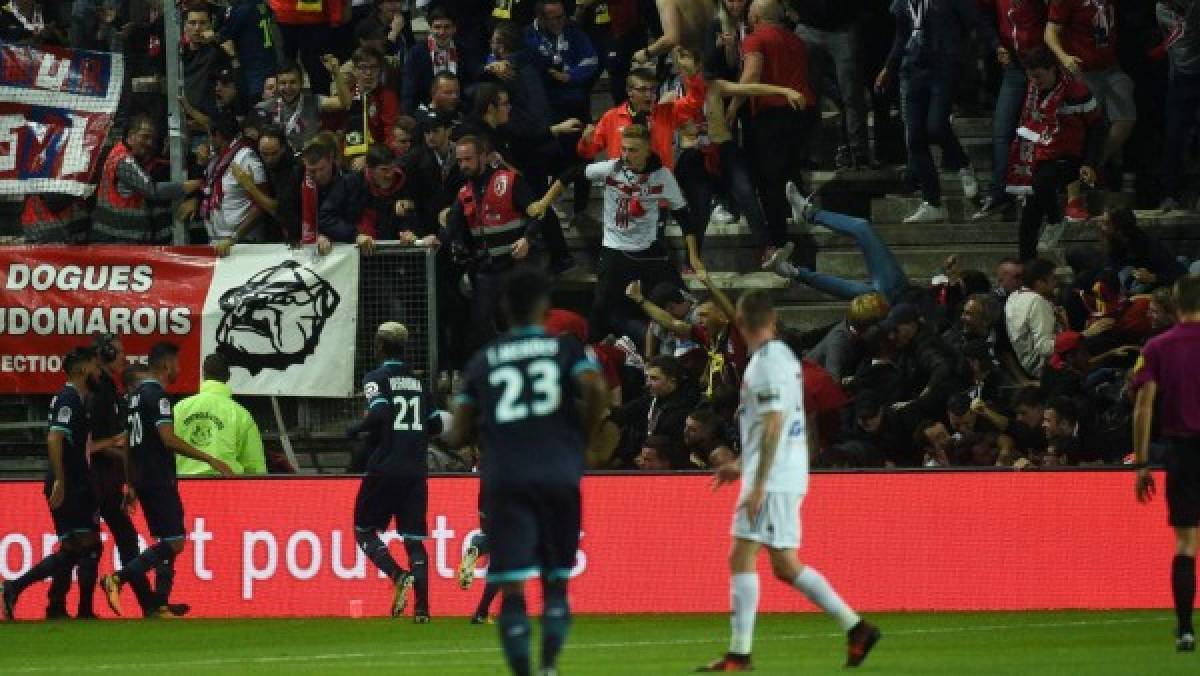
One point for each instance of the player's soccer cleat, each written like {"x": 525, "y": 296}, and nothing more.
{"x": 179, "y": 609}
{"x": 421, "y": 617}
{"x": 729, "y": 662}
{"x": 859, "y": 641}
{"x": 10, "y": 599}
{"x": 404, "y": 585}
{"x": 167, "y": 613}
{"x": 482, "y": 619}
{"x": 111, "y": 584}
{"x": 466, "y": 568}
{"x": 1186, "y": 643}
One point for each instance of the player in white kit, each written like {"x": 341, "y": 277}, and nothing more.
{"x": 774, "y": 472}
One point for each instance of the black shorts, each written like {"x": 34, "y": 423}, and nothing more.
{"x": 382, "y": 498}
{"x": 1183, "y": 484}
{"x": 77, "y": 514}
{"x": 533, "y": 530}
{"x": 163, "y": 509}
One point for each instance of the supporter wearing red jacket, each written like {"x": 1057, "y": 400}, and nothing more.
{"x": 1083, "y": 35}
{"x": 663, "y": 118}
{"x": 1020, "y": 25}
{"x": 1058, "y": 143}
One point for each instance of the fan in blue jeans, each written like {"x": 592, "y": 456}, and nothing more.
{"x": 884, "y": 272}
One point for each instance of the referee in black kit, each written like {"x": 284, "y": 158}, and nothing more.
{"x": 1171, "y": 371}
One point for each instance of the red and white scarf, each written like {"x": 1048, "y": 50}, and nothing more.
{"x": 214, "y": 191}
{"x": 1039, "y": 126}
{"x": 442, "y": 59}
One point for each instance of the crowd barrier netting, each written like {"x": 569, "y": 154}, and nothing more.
{"x": 659, "y": 544}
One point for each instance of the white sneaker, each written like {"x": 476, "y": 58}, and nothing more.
{"x": 1051, "y": 234}
{"x": 970, "y": 184}
{"x": 721, "y": 216}
{"x": 927, "y": 213}
{"x": 802, "y": 207}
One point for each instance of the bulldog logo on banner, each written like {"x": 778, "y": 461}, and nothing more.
{"x": 260, "y": 330}
{"x": 286, "y": 324}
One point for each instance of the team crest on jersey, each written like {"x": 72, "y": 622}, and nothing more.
{"x": 501, "y": 185}
{"x": 164, "y": 407}
{"x": 371, "y": 390}
{"x": 64, "y": 415}
{"x": 768, "y": 395}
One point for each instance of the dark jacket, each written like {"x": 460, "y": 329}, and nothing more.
{"x": 932, "y": 372}
{"x": 353, "y": 206}
{"x": 418, "y": 73}
{"x": 670, "y": 414}
{"x": 944, "y": 30}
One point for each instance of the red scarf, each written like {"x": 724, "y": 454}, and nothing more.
{"x": 308, "y": 210}
{"x": 442, "y": 59}
{"x": 1039, "y": 126}
{"x": 214, "y": 192}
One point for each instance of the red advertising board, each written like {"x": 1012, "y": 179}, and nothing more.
{"x": 658, "y": 544}
{"x": 55, "y": 298}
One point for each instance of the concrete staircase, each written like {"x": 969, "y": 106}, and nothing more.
{"x": 881, "y": 196}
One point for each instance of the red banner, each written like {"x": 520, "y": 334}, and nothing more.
{"x": 56, "y": 105}
{"x": 55, "y": 298}
{"x": 659, "y": 544}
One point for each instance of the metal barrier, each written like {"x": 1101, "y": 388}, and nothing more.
{"x": 395, "y": 284}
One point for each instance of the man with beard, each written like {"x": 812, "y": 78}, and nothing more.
{"x": 298, "y": 113}
{"x": 122, "y": 214}
{"x": 68, "y": 486}
{"x": 494, "y": 218}
{"x": 285, "y": 176}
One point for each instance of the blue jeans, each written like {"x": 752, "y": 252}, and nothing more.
{"x": 1007, "y": 116}
{"x": 884, "y": 271}
{"x": 926, "y": 96}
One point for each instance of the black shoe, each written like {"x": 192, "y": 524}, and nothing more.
{"x": 421, "y": 615}
{"x": 179, "y": 609}
{"x": 81, "y": 615}
{"x": 729, "y": 662}
{"x": 481, "y": 619}
{"x": 57, "y": 612}
{"x": 992, "y": 208}
{"x": 859, "y": 641}
{"x": 9, "y": 600}
{"x": 1186, "y": 643}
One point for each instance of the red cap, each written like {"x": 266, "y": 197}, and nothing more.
{"x": 1064, "y": 343}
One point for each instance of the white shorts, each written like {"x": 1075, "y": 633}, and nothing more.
{"x": 777, "y": 525}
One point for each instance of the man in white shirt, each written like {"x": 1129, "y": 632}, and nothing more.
{"x": 774, "y": 472}
{"x": 636, "y": 188}
{"x": 1029, "y": 317}
{"x": 229, "y": 213}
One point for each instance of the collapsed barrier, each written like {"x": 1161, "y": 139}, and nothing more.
{"x": 920, "y": 540}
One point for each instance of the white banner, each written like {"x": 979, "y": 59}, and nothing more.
{"x": 286, "y": 322}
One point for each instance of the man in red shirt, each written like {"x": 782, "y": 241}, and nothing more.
{"x": 1083, "y": 35}
{"x": 777, "y": 143}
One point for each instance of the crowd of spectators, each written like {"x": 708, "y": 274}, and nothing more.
{"x": 332, "y": 122}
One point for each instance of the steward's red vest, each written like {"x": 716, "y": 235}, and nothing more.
{"x": 496, "y": 224}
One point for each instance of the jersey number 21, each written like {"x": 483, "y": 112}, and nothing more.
{"x": 542, "y": 374}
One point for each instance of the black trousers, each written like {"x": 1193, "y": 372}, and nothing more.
{"x": 777, "y": 147}
{"x": 611, "y": 310}
{"x": 1049, "y": 179}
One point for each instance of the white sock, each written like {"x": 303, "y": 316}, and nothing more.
{"x": 818, "y": 590}
{"x": 743, "y": 589}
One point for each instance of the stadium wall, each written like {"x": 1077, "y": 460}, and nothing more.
{"x": 658, "y": 544}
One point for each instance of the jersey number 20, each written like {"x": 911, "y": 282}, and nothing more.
{"x": 135, "y": 429}
{"x": 542, "y": 374}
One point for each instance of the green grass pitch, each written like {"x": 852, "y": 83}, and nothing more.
{"x": 1027, "y": 644}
